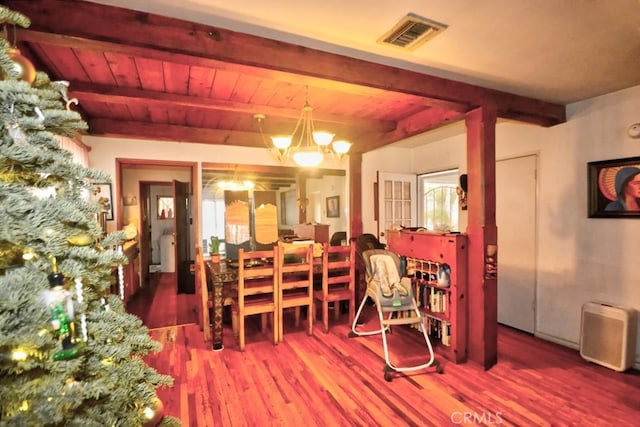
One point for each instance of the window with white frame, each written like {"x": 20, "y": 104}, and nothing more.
{"x": 438, "y": 201}
{"x": 213, "y": 223}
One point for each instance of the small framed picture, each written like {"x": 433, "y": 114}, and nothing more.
{"x": 333, "y": 207}
{"x": 614, "y": 188}
{"x": 102, "y": 194}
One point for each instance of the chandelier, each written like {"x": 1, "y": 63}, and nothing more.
{"x": 306, "y": 146}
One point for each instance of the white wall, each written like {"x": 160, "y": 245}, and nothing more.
{"x": 317, "y": 192}
{"x": 579, "y": 258}
{"x": 104, "y": 152}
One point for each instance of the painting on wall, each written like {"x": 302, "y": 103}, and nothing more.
{"x": 614, "y": 188}
{"x": 333, "y": 207}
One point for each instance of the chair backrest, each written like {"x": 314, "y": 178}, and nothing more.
{"x": 367, "y": 242}
{"x": 366, "y": 256}
{"x": 257, "y": 273}
{"x": 338, "y": 266}
{"x": 295, "y": 266}
{"x": 337, "y": 238}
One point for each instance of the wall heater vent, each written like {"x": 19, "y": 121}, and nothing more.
{"x": 608, "y": 335}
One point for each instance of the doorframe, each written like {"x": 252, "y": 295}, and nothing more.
{"x": 124, "y": 163}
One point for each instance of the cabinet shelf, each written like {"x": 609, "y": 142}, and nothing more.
{"x": 444, "y": 308}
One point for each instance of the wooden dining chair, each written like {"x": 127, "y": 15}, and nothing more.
{"x": 257, "y": 292}
{"x": 202, "y": 294}
{"x": 338, "y": 282}
{"x": 295, "y": 284}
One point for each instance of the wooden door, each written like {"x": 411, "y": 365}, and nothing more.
{"x": 516, "y": 219}
{"x": 145, "y": 233}
{"x": 396, "y": 202}
{"x": 186, "y": 280}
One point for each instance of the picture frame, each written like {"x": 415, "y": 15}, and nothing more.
{"x": 614, "y": 188}
{"x": 102, "y": 194}
{"x": 164, "y": 207}
{"x": 333, "y": 207}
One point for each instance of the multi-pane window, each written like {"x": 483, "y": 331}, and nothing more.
{"x": 397, "y": 203}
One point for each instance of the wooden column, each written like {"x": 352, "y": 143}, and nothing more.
{"x": 301, "y": 185}
{"x": 355, "y": 192}
{"x": 483, "y": 237}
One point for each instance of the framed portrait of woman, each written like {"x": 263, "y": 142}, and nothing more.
{"x": 614, "y": 188}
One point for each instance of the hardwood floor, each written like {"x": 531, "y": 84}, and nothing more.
{"x": 333, "y": 380}
{"x": 158, "y": 304}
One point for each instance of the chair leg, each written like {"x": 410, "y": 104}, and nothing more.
{"x": 352, "y": 310}
{"x": 325, "y": 315}
{"x": 310, "y": 319}
{"x": 241, "y": 332}
{"x": 297, "y": 317}
{"x": 263, "y": 323}
{"x": 274, "y": 326}
{"x": 336, "y": 310}
{"x": 234, "y": 323}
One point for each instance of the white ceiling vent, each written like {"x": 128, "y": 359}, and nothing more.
{"x": 411, "y": 31}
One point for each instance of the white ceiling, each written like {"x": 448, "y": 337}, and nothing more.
{"x": 560, "y": 51}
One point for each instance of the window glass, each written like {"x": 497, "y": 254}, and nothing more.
{"x": 438, "y": 201}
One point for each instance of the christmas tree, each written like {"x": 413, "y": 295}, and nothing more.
{"x": 69, "y": 353}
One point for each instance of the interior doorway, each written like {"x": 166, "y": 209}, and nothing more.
{"x": 165, "y": 212}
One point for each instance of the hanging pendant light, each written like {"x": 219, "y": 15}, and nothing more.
{"x": 304, "y": 145}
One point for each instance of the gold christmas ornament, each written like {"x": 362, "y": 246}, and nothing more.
{"x": 82, "y": 239}
{"x": 153, "y": 414}
{"x": 10, "y": 255}
{"x": 24, "y": 67}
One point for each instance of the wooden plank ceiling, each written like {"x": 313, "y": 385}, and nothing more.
{"x": 138, "y": 75}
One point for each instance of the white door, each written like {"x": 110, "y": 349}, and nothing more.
{"x": 396, "y": 201}
{"x": 516, "y": 220}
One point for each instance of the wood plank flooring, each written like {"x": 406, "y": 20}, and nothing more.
{"x": 158, "y": 304}
{"x": 333, "y": 380}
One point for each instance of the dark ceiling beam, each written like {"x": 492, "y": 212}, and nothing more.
{"x": 172, "y": 133}
{"x": 413, "y": 125}
{"x": 167, "y": 132}
{"x": 83, "y": 43}
{"x": 129, "y": 96}
{"x": 143, "y": 33}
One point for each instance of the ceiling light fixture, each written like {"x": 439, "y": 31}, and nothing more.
{"x": 304, "y": 145}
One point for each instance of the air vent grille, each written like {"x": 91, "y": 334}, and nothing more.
{"x": 411, "y": 31}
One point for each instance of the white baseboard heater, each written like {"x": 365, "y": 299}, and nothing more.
{"x": 608, "y": 335}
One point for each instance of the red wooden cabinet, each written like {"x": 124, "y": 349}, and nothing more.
{"x": 444, "y": 308}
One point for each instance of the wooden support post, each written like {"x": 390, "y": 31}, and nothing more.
{"x": 355, "y": 192}
{"x": 483, "y": 237}
{"x": 302, "y": 201}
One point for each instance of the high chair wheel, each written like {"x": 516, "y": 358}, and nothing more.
{"x": 352, "y": 334}
{"x": 388, "y": 377}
